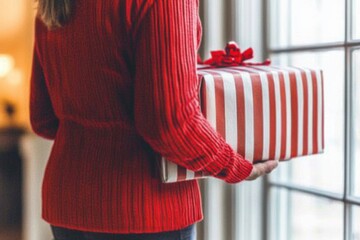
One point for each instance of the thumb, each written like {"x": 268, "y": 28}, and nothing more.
{"x": 271, "y": 165}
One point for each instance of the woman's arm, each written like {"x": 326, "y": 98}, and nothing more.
{"x": 167, "y": 111}
{"x": 42, "y": 116}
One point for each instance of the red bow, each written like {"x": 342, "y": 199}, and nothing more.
{"x": 232, "y": 56}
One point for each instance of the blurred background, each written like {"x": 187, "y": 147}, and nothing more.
{"x": 315, "y": 197}
{"x": 16, "y": 39}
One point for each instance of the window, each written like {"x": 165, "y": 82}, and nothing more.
{"x": 356, "y": 106}
{"x": 318, "y": 197}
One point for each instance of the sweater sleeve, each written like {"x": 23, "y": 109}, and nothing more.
{"x": 42, "y": 117}
{"x": 167, "y": 110}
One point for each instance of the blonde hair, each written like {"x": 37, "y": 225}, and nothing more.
{"x": 55, "y": 13}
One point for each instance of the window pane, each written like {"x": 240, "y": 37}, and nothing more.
{"x": 306, "y": 217}
{"x": 356, "y": 106}
{"x": 299, "y": 22}
{"x": 356, "y": 19}
{"x": 325, "y": 170}
{"x": 356, "y": 223}
{"x": 279, "y": 214}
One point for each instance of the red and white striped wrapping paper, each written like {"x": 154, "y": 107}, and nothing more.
{"x": 263, "y": 112}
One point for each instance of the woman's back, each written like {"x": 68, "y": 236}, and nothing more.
{"x": 88, "y": 63}
{"x": 117, "y": 81}
{"x": 100, "y": 176}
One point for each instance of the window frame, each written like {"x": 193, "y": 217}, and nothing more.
{"x": 349, "y": 45}
{"x": 246, "y": 28}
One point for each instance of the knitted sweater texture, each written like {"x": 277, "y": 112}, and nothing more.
{"x": 116, "y": 88}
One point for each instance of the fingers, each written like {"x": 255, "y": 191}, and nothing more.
{"x": 267, "y": 167}
{"x": 270, "y": 166}
{"x": 260, "y": 169}
{"x": 254, "y": 175}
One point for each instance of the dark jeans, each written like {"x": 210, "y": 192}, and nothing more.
{"x": 60, "y": 233}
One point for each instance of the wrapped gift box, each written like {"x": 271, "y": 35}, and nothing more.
{"x": 263, "y": 112}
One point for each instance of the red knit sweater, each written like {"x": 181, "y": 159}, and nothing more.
{"x": 116, "y": 88}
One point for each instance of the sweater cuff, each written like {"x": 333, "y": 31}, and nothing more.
{"x": 237, "y": 170}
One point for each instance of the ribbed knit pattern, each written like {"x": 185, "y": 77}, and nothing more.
{"x": 117, "y": 88}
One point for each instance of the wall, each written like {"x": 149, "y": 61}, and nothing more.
{"x": 16, "y": 39}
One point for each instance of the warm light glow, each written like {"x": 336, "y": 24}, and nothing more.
{"x": 14, "y": 78}
{"x": 6, "y": 64}
{"x": 12, "y": 17}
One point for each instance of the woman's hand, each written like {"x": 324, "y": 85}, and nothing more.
{"x": 262, "y": 168}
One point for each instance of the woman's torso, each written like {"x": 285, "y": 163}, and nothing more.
{"x": 101, "y": 175}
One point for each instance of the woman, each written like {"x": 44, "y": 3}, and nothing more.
{"x": 114, "y": 84}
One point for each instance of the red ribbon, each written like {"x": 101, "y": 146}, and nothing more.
{"x": 231, "y": 56}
